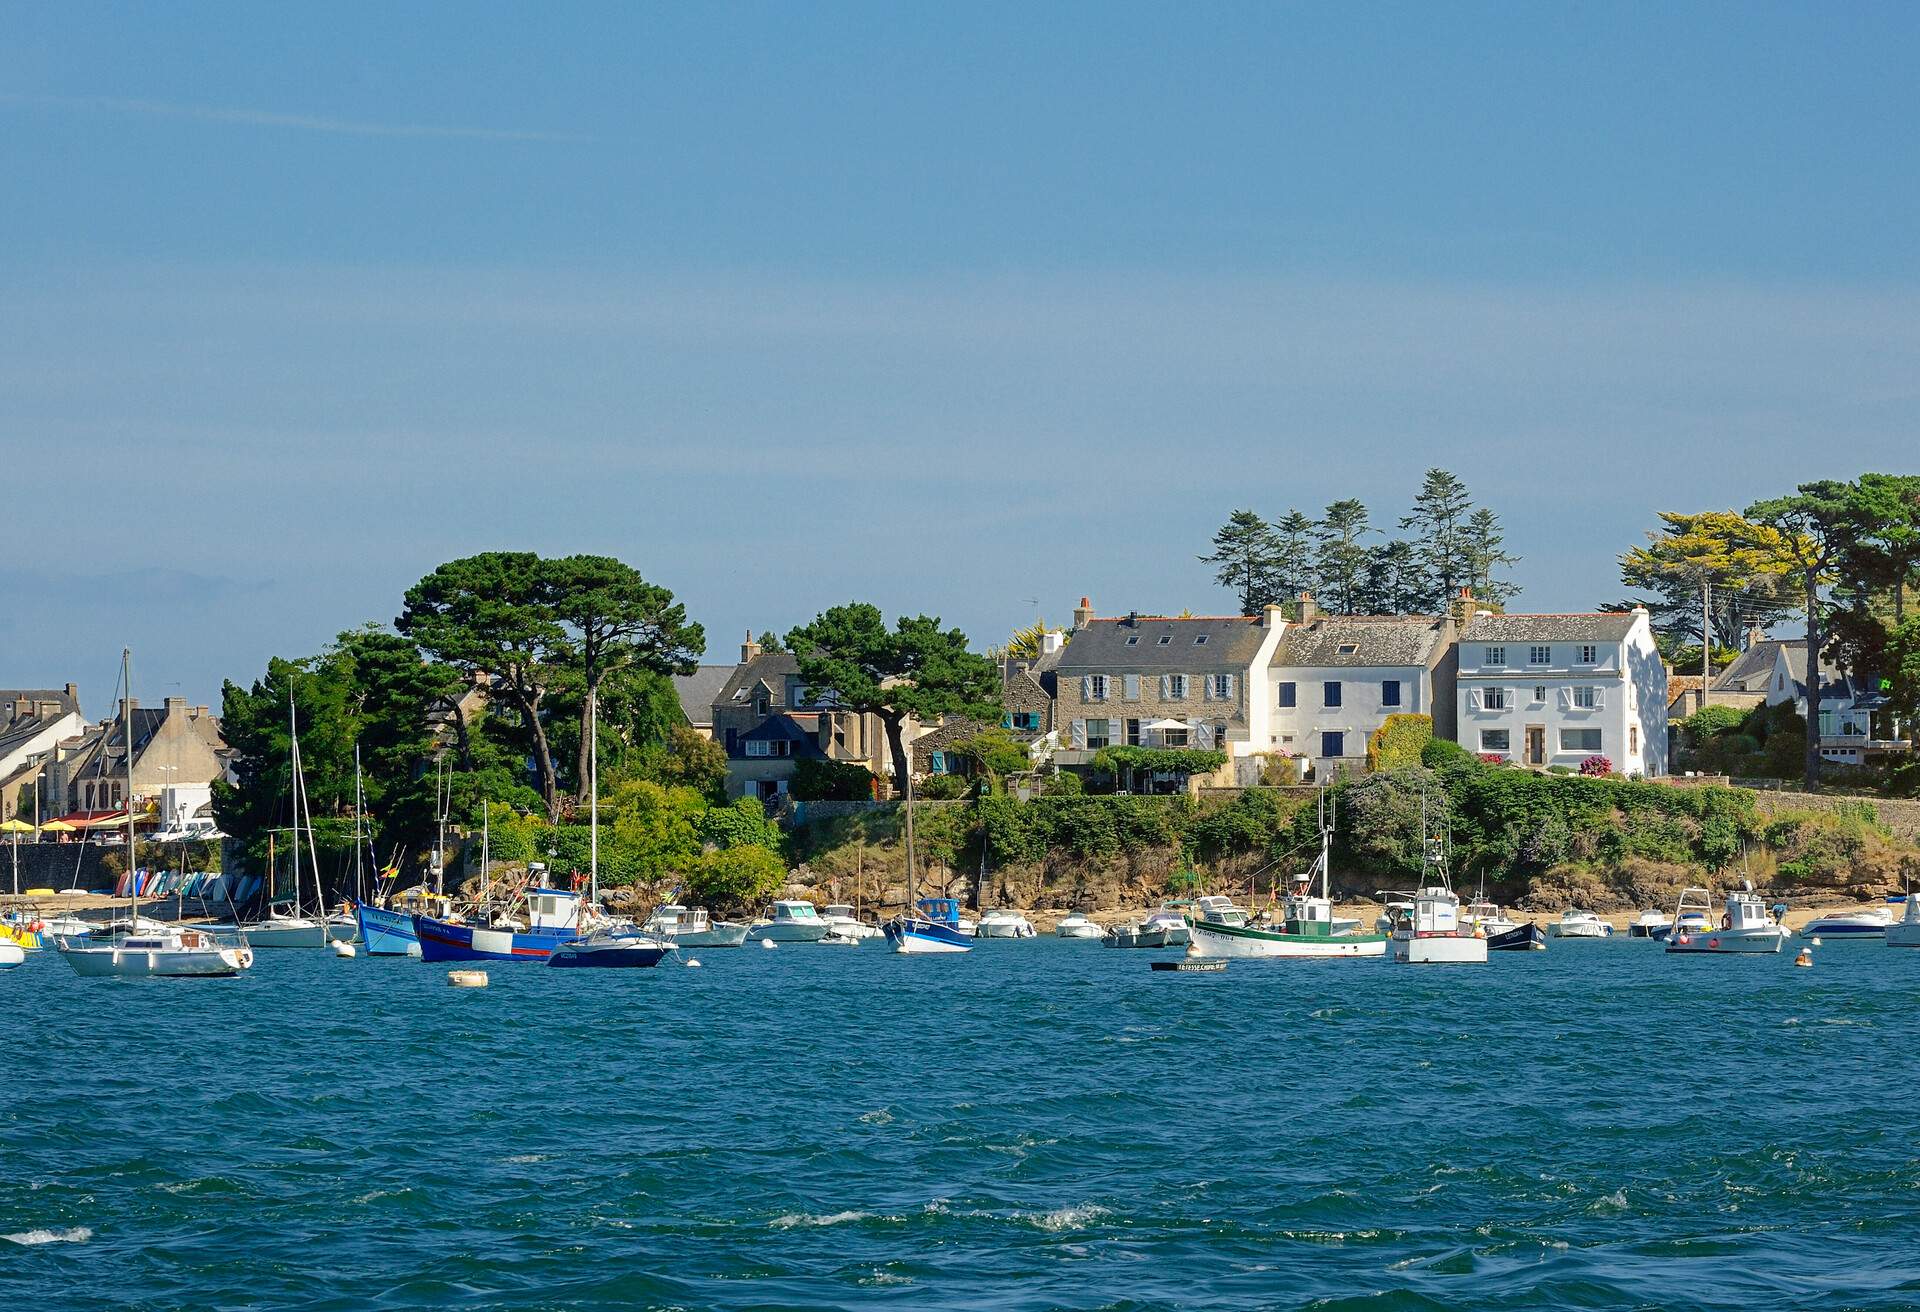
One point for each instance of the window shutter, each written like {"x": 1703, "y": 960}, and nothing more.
{"x": 1206, "y": 687}
{"x": 1566, "y": 699}
{"x": 1086, "y": 687}
{"x": 1132, "y": 687}
{"x": 1079, "y": 735}
{"x": 1006, "y": 722}
{"x": 1229, "y": 687}
{"x": 1163, "y": 687}
{"x": 1203, "y": 735}
{"x": 1474, "y": 699}
{"x": 1599, "y": 699}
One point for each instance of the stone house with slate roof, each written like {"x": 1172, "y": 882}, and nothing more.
{"x": 769, "y": 720}
{"x": 1549, "y": 690}
{"x": 32, "y": 720}
{"x": 697, "y": 692}
{"x": 1027, "y": 713}
{"x": 175, "y": 746}
{"x": 1774, "y": 670}
{"x": 1156, "y": 681}
{"x": 1334, "y": 679}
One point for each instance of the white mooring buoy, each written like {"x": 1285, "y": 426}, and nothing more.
{"x": 692, "y": 962}
{"x": 768, "y": 943}
{"x": 1805, "y": 958}
{"x": 341, "y": 948}
{"x": 467, "y": 979}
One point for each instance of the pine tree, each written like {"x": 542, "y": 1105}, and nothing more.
{"x": 1339, "y": 556}
{"x": 1294, "y": 543}
{"x": 1247, "y": 556}
{"x": 1396, "y": 583}
{"x": 1439, "y": 519}
{"x": 1482, "y": 540}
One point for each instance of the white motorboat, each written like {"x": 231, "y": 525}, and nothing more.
{"x": 845, "y": 920}
{"x": 11, "y": 953}
{"x": 1004, "y": 924}
{"x": 1579, "y": 924}
{"x": 1165, "y": 928}
{"x": 1217, "y": 910}
{"x": 1076, "y": 925}
{"x": 1650, "y": 924}
{"x": 692, "y": 927}
{"x": 1430, "y": 931}
{"x": 1123, "y": 936}
{"x": 1487, "y": 917}
{"x": 1865, "y": 922}
{"x": 1905, "y": 932}
{"x": 280, "y": 931}
{"x": 791, "y": 922}
{"x": 1746, "y": 925}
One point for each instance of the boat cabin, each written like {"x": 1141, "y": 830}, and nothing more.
{"x": 941, "y": 910}
{"x": 549, "y": 908}
{"x": 794, "y": 912}
{"x": 1218, "y": 910}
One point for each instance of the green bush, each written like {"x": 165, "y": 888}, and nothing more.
{"x": 1399, "y": 742}
{"x": 942, "y": 788}
{"x": 1440, "y": 752}
{"x": 1712, "y": 721}
{"x": 744, "y": 824}
{"x": 830, "y": 781}
{"x": 736, "y": 878}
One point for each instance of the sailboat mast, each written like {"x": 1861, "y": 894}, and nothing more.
{"x": 126, "y": 728}
{"x": 440, "y": 792}
{"x": 359, "y": 876}
{"x": 593, "y": 803}
{"x": 1326, "y": 852}
{"x": 912, "y": 883}
{"x": 293, "y": 764}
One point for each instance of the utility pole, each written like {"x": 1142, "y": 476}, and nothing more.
{"x": 1706, "y": 637}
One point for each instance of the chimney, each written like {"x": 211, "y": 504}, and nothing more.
{"x": 1462, "y": 607}
{"x": 176, "y": 706}
{"x": 1273, "y": 617}
{"x": 1133, "y": 619}
{"x": 73, "y": 692}
{"x": 1309, "y": 608}
{"x": 1051, "y": 641}
{"x": 199, "y": 712}
{"x": 1082, "y": 614}
{"x": 749, "y": 649}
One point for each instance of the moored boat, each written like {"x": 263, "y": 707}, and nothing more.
{"x": 1905, "y": 932}
{"x": 1307, "y": 927}
{"x": 1004, "y": 924}
{"x": 842, "y": 919}
{"x": 1487, "y": 917}
{"x": 692, "y": 927}
{"x": 935, "y": 928}
{"x": 611, "y": 949}
{"x": 1862, "y": 923}
{"x": 790, "y": 922}
{"x": 1528, "y": 937}
{"x": 11, "y": 953}
{"x": 1077, "y": 925}
{"x": 1745, "y": 926}
{"x": 1574, "y": 923}
{"x": 553, "y": 917}
{"x": 1648, "y": 923}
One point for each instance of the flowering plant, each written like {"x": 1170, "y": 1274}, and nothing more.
{"x": 1596, "y": 766}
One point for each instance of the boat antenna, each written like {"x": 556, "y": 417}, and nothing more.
{"x": 593, "y": 810}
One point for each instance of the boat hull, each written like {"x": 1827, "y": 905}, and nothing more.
{"x": 1905, "y": 934}
{"x": 1439, "y": 949}
{"x": 11, "y": 954}
{"x": 1848, "y": 927}
{"x": 156, "y": 963}
{"x": 1727, "y": 942}
{"x": 387, "y": 933}
{"x": 636, "y": 954}
{"x": 1087, "y": 930}
{"x": 721, "y": 934}
{"x": 788, "y": 932}
{"x": 445, "y": 940}
{"x": 270, "y": 935}
{"x": 1521, "y": 938}
{"x": 1578, "y": 931}
{"x": 917, "y": 937}
{"x": 1213, "y": 940}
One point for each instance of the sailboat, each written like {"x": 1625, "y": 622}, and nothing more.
{"x": 1307, "y": 928}
{"x": 607, "y": 946}
{"x": 293, "y": 929}
{"x": 169, "y": 951}
{"x": 936, "y": 927}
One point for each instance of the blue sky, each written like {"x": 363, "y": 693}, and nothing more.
{"x": 948, "y": 308}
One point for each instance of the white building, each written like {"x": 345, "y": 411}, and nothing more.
{"x": 1334, "y": 679}
{"x": 1556, "y": 689}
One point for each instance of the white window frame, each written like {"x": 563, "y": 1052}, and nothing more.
{"x": 1222, "y": 687}
{"x": 1099, "y": 687}
{"x": 1540, "y": 655}
{"x": 1586, "y": 698}
{"x": 1505, "y": 735}
{"x": 1588, "y": 654}
{"x": 1600, "y": 741}
{"x": 1496, "y": 657}
{"x": 1105, "y": 735}
{"x": 1494, "y": 699}
{"x": 1176, "y": 687}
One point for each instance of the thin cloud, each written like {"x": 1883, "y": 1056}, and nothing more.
{"x": 262, "y": 118}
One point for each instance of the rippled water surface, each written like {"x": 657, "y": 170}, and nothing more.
{"x": 1036, "y": 1125}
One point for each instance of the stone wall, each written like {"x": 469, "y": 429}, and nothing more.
{"x": 57, "y": 866}
{"x": 1902, "y": 816}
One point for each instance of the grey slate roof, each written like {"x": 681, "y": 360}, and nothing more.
{"x": 770, "y": 667}
{"x": 1102, "y": 646}
{"x": 1548, "y": 628}
{"x": 1752, "y": 670}
{"x": 1373, "y": 639}
{"x": 779, "y": 729}
{"x": 36, "y": 695}
{"x": 699, "y": 690}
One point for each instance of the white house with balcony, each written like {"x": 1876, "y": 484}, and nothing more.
{"x": 1548, "y": 690}
{"x": 1334, "y": 680}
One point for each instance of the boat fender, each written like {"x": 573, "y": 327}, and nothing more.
{"x": 1726, "y": 921}
{"x": 767, "y": 943}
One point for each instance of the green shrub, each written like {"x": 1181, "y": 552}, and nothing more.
{"x": 942, "y": 788}
{"x": 736, "y": 878}
{"x": 1712, "y": 721}
{"x": 831, "y": 781}
{"x": 1440, "y": 752}
{"x": 1399, "y": 741}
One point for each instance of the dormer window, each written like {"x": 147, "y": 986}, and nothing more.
{"x": 1134, "y": 641}
{"x": 1165, "y": 639}
{"x": 1200, "y": 641}
{"x": 1496, "y": 656}
{"x": 1589, "y": 654}
{"x": 1540, "y": 655}
{"x": 1349, "y": 648}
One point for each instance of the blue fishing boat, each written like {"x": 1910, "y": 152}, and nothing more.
{"x": 386, "y": 933}
{"x": 935, "y": 929}
{"x": 553, "y": 918}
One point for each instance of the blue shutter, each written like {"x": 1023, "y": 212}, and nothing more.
{"x": 938, "y": 763}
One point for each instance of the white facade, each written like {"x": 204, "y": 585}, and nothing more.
{"x": 1548, "y": 690}
{"x": 1334, "y": 710}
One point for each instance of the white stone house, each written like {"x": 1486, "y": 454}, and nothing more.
{"x": 1548, "y": 690}
{"x": 1335, "y": 679}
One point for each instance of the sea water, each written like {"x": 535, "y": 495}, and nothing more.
{"x": 1036, "y": 1124}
